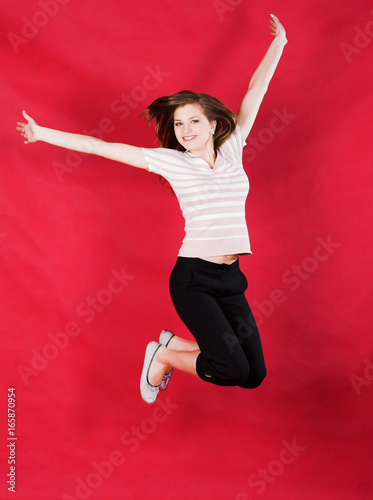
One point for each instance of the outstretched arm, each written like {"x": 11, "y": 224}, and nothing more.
{"x": 124, "y": 153}
{"x": 260, "y": 80}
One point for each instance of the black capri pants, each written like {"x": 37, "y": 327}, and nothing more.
{"x": 210, "y": 300}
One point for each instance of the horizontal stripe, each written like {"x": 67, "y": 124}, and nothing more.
{"x": 217, "y": 228}
{"x": 217, "y": 188}
{"x": 218, "y": 216}
{"x": 214, "y": 238}
{"x": 213, "y": 205}
{"x": 212, "y": 196}
{"x": 212, "y": 200}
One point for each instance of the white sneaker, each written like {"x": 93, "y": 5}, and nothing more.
{"x": 164, "y": 339}
{"x": 148, "y": 392}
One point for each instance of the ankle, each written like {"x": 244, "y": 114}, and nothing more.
{"x": 172, "y": 342}
{"x": 162, "y": 355}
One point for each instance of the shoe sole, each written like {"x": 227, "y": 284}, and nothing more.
{"x": 148, "y": 392}
{"x": 164, "y": 339}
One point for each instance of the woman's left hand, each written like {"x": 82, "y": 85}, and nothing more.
{"x": 277, "y": 30}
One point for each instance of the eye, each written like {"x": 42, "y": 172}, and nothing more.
{"x": 195, "y": 121}
{"x": 178, "y": 123}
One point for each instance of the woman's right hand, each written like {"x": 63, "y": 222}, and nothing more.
{"x": 132, "y": 155}
{"x": 29, "y": 130}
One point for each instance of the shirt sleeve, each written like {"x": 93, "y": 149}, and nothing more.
{"x": 240, "y": 140}
{"x": 152, "y": 158}
{"x": 232, "y": 148}
{"x": 163, "y": 161}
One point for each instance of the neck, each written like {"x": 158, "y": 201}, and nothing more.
{"x": 207, "y": 153}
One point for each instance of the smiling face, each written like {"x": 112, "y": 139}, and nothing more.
{"x": 192, "y": 128}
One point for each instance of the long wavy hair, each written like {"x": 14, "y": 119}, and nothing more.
{"x": 162, "y": 110}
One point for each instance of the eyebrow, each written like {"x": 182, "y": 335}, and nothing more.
{"x": 191, "y": 118}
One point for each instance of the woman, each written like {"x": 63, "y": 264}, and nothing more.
{"x": 201, "y": 157}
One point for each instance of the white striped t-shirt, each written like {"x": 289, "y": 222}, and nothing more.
{"x": 212, "y": 200}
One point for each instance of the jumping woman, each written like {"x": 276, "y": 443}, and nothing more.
{"x": 201, "y": 157}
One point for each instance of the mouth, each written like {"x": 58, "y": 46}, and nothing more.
{"x": 189, "y": 138}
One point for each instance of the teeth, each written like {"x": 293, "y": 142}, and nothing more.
{"x": 189, "y": 138}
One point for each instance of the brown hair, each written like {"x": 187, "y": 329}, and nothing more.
{"x": 163, "y": 109}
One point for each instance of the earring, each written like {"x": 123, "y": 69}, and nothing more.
{"x": 213, "y": 132}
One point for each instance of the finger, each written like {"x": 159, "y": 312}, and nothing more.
{"x": 274, "y": 26}
{"x": 28, "y": 118}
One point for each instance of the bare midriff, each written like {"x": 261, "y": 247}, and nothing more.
{"x": 221, "y": 259}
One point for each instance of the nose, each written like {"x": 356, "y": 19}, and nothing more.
{"x": 187, "y": 128}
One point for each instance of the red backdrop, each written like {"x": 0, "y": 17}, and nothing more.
{"x": 87, "y": 246}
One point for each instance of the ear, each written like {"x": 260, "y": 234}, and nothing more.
{"x": 213, "y": 125}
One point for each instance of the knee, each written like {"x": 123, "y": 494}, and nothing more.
{"x": 256, "y": 379}
{"x": 228, "y": 372}
{"x": 259, "y": 380}
{"x": 237, "y": 374}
